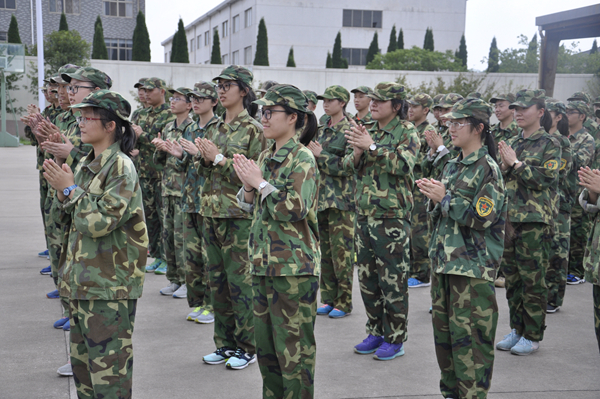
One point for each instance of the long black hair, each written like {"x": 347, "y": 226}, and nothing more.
{"x": 248, "y": 98}
{"x": 124, "y": 133}
{"x": 546, "y": 119}
{"x": 310, "y": 127}
{"x": 486, "y": 135}
{"x": 402, "y": 108}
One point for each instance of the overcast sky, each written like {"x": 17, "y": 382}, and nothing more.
{"x": 505, "y": 19}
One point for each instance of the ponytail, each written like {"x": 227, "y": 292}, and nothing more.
{"x": 310, "y": 125}
{"x": 248, "y": 98}
{"x": 124, "y": 132}
{"x": 486, "y": 136}
{"x": 402, "y": 108}
{"x": 563, "y": 125}
{"x": 546, "y": 121}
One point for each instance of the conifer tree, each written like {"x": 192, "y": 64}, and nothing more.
{"x": 140, "y": 50}
{"x": 462, "y": 50}
{"x": 393, "y": 46}
{"x": 594, "y": 49}
{"x": 13, "y": 31}
{"x": 400, "y": 43}
{"x": 336, "y": 56}
{"x": 493, "y": 57}
{"x": 428, "y": 43}
{"x": 179, "y": 51}
{"x": 63, "y": 26}
{"x": 290, "y": 62}
{"x": 215, "y": 56}
{"x": 262, "y": 45}
{"x": 329, "y": 62}
{"x": 373, "y": 49}
{"x": 99, "y": 51}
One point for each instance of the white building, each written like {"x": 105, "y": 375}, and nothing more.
{"x": 310, "y": 26}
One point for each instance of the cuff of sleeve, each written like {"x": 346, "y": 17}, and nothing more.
{"x": 440, "y": 155}
{"x": 445, "y": 204}
{"x": 519, "y": 169}
{"x": 266, "y": 191}
{"x": 69, "y": 204}
{"x": 241, "y": 200}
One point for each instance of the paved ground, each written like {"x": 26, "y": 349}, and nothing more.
{"x": 168, "y": 349}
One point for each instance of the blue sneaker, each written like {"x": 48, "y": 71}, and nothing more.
{"x": 67, "y": 326}
{"x": 572, "y": 280}
{"x": 61, "y": 322}
{"x": 430, "y": 309}
{"x": 414, "y": 283}
{"x": 369, "y": 345}
{"x": 509, "y": 341}
{"x": 162, "y": 269}
{"x": 53, "y": 294}
{"x": 240, "y": 360}
{"x": 337, "y": 314}
{"x": 151, "y": 268}
{"x": 219, "y": 356}
{"x": 324, "y": 310}
{"x": 46, "y": 270}
{"x": 44, "y": 254}
{"x": 389, "y": 351}
{"x": 525, "y": 347}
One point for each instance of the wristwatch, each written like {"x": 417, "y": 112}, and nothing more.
{"x": 373, "y": 147}
{"x": 516, "y": 162}
{"x": 67, "y": 191}
{"x": 218, "y": 159}
{"x": 262, "y": 185}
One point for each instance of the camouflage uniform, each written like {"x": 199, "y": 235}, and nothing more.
{"x": 466, "y": 247}
{"x": 150, "y": 174}
{"x": 384, "y": 200}
{"x": 226, "y": 226}
{"x": 512, "y": 129}
{"x": 336, "y": 209}
{"x": 104, "y": 260}
{"x": 138, "y": 113}
{"x": 529, "y": 188}
{"x": 366, "y": 120}
{"x": 284, "y": 251}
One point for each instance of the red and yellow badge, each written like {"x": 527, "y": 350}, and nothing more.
{"x": 484, "y": 206}
{"x": 563, "y": 163}
{"x": 551, "y": 164}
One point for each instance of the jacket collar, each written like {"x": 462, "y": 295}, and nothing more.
{"x": 237, "y": 121}
{"x": 474, "y": 156}
{"x": 95, "y": 165}
{"x": 284, "y": 151}
{"x": 536, "y": 135}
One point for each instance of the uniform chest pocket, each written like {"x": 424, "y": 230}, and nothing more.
{"x": 237, "y": 148}
{"x": 465, "y": 189}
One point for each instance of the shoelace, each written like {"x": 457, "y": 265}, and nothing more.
{"x": 239, "y": 353}
{"x": 525, "y": 341}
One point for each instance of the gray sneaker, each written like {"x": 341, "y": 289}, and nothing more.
{"x": 65, "y": 370}
{"x": 170, "y": 290}
{"x": 181, "y": 292}
{"x": 205, "y": 317}
{"x": 195, "y": 313}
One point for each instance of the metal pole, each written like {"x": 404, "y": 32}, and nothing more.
{"x": 3, "y": 96}
{"x": 32, "y": 30}
{"x": 40, "y": 51}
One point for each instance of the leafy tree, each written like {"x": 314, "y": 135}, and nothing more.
{"x": 531, "y": 57}
{"x": 428, "y": 42}
{"x": 329, "y": 62}
{"x": 140, "y": 50}
{"x": 416, "y": 59}
{"x": 493, "y": 57}
{"x": 290, "y": 62}
{"x": 262, "y": 45}
{"x": 336, "y": 56}
{"x": 594, "y": 49}
{"x": 13, "y": 31}
{"x": 179, "y": 50}
{"x": 65, "y": 47}
{"x": 393, "y": 46}
{"x": 462, "y": 50}
{"x": 99, "y": 51}
{"x": 215, "y": 56}
{"x": 400, "y": 43}
{"x": 463, "y": 84}
{"x": 373, "y": 49}
{"x": 63, "y": 26}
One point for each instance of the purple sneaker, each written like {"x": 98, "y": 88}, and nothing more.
{"x": 369, "y": 345}
{"x": 389, "y": 351}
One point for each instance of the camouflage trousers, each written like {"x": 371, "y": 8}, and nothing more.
{"x": 596, "y": 293}
{"x": 151, "y": 193}
{"x": 581, "y": 225}
{"x": 556, "y": 275}
{"x": 196, "y": 275}
{"x": 336, "y": 231}
{"x": 464, "y": 316}
{"x": 101, "y": 347}
{"x": 172, "y": 239}
{"x": 383, "y": 260}
{"x": 285, "y": 308}
{"x": 420, "y": 266}
{"x": 524, "y": 265}
{"x": 43, "y": 195}
{"x": 226, "y": 243}
{"x": 55, "y": 233}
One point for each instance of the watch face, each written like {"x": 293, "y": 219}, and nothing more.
{"x": 372, "y": 147}
{"x": 66, "y": 191}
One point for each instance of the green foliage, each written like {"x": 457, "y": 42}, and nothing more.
{"x": 336, "y": 57}
{"x": 63, "y": 26}
{"x": 373, "y": 49}
{"x": 531, "y": 56}
{"x": 393, "y": 46}
{"x": 140, "y": 50}
{"x": 99, "y": 51}
{"x": 400, "y": 42}
{"x": 65, "y": 47}
{"x": 11, "y": 87}
{"x": 215, "y": 55}
{"x": 593, "y": 50}
{"x": 262, "y": 45}
{"x": 462, "y": 51}
{"x": 416, "y": 59}
{"x": 290, "y": 62}
{"x": 13, "y": 31}
{"x": 428, "y": 42}
{"x": 329, "y": 62}
{"x": 179, "y": 50}
{"x": 493, "y": 57}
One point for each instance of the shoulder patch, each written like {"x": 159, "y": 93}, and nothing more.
{"x": 563, "y": 163}
{"x": 484, "y": 206}
{"x": 551, "y": 164}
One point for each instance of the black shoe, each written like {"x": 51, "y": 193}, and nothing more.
{"x": 552, "y": 309}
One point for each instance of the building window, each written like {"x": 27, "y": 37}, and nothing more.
{"x": 355, "y": 56}
{"x": 8, "y": 4}
{"x": 119, "y": 8}
{"x": 166, "y": 57}
{"x": 225, "y": 59}
{"x": 235, "y": 58}
{"x": 66, "y": 6}
{"x": 247, "y": 18}
{"x": 3, "y": 36}
{"x": 198, "y": 41}
{"x": 362, "y": 19}
{"x": 192, "y": 46}
{"x": 119, "y": 49}
{"x": 248, "y": 55}
{"x": 206, "y": 39}
{"x": 236, "y": 23}
{"x": 225, "y": 29}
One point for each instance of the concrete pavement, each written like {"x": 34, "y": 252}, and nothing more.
{"x": 168, "y": 349}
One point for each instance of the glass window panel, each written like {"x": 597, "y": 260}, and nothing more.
{"x": 52, "y": 5}
{"x": 129, "y": 9}
{"x": 367, "y": 17}
{"x": 106, "y": 8}
{"x": 248, "y": 17}
{"x": 68, "y": 7}
{"x": 377, "y": 19}
{"x": 129, "y": 43}
{"x": 355, "y": 56}
{"x": 347, "y": 19}
{"x": 357, "y": 18}
{"x": 235, "y": 57}
{"x": 236, "y": 23}
{"x": 3, "y": 5}
{"x": 346, "y": 53}
{"x": 363, "y": 56}
{"x": 198, "y": 41}
{"x": 114, "y": 54}
{"x": 121, "y": 9}
{"x": 129, "y": 55}
{"x": 3, "y": 35}
{"x": 11, "y": 4}
{"x": 113, "y": 10}
{"x": 76, "y": 6}
{"x": 248, "y": 55}
{"x": 122, "y": 54}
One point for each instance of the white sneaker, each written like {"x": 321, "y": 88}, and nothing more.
{"x": 181, "y": 292}
{"x": 66, "y": 370}
{"x": 170, "y": 290}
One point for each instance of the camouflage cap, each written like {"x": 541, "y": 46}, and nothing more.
{"x": 465, "y": 108}
{"x": 108, "y": 100}
{"x": 423, "y": 99}
{"x": 155, "y": 83}
{"x": 335, "y": 92}
{"x": 526, "y": 98}
{"x": 311, "y": 95}
{"x": 596, "y": 101}
{"x": 67, "y": 68}
{"x": 89, "y": 74}
{"x": 474, "y": 94}
{"x": 204, "y": 89}
{"x": 362, "y": 89}
{"x": 553, "y": 105}
{"x": 449, "y": 100}
{"x": 284, "y": 94}
{"x": 236, "y": 72}
{"x": 580, "y": 106}
{"x": 266, "y": 86}
{"x": 386, "y": 91}
{"x": 436, "y": 100}
{"x": 598, "y": 113}
{"x": 140, "y": 83}
{"x": 503, "y": 97}
{"x": 184, "y": 91}
{"x": 580, "y": 96}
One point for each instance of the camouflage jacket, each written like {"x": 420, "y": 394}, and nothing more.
{"x": 421, "y": 129}
{"x": 243, "y": 135}
{"x": 284, "y": 236}
{"x": 529, "y": 185}
{"x": 433, "y": 166}
{"x": 591, "y": 260}
{"x": 153, "y": 123}
{"x": 567, "y": 188}
{"x": 367, "y": 120}
{"x": 500, "y": 134}
{"x": 137, "y": 117}
{"x": 50, "y": 112}
{"x": 385, "y": 180}
{"x": 192, "y": 187}
{"x": 107, "y": 241}
{"x": 583, "y": 150}
{"x": 173, "y": 174}
{"x": 468, "y": 237}
{"x": 591, "y": 126}
{"x": 80, "y": 150}
{"x": 337, "y": 185}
